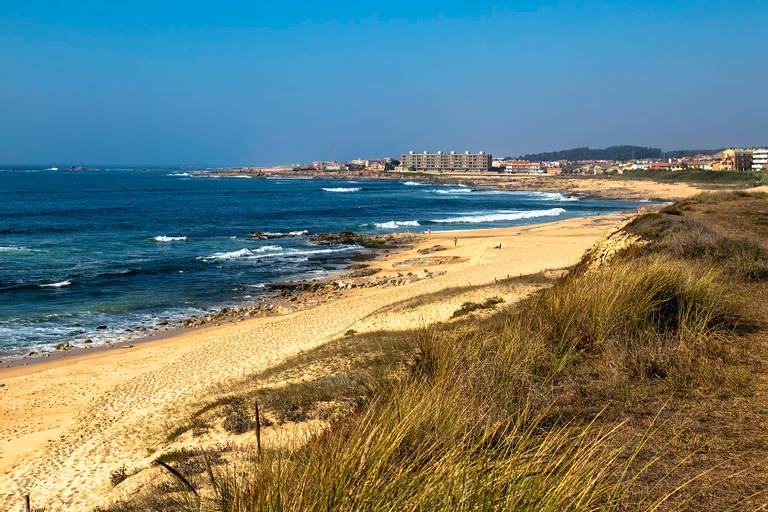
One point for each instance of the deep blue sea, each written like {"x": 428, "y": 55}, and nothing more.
{"x": 95, "y": 254}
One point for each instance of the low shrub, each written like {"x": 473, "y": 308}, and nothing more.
{"x": 470, "y": 307}
{"x": 118, "y": 475}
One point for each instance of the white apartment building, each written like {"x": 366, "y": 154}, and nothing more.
{"x": 452, "y": 161}
{"x": 760, "y": 159}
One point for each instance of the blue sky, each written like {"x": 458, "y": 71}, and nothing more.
{"x": 248, "y": 82}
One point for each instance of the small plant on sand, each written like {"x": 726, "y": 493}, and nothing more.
{"x": 118, "y": 475}
{"x": 469, "y": 307}
{"x": 237, "y": 419}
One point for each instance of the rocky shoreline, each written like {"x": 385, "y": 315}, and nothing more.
{"x": 283, "y": 297}
{"x": 280, "y": 297}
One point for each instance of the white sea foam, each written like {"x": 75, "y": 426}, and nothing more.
{"x": 238, "y": 176}
{"x": 241, "y": 253}
{"x": 413, "y": 183}
{"x": 12, "y": 248}
{"x": 502, "y": 216}
{"x": 289, "y": 233}
{"x": 60, "y": 284}
{"x": 453, "y": 191}
{"x": 549, "y": 196}
{"x": 163, "y": 238}
{"x": 394, "y": 224}
{"x": 342, "y": 189}
{"x": 555, "y": 196}
{"x": 179, "y": 174}
{"x": 269, "y": 251}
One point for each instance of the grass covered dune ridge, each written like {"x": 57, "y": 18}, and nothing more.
{"x": 636, "y": 382}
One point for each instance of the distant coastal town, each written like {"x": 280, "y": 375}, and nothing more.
{"x": 581, "y": 161}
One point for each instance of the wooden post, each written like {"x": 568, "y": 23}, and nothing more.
{"x": 258, "y": 429}
{"x": 27, "y": 507}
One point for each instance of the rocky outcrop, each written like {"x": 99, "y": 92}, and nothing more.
{"x": 430, "y": 250}
{"x": 389, "y": 240}
{"x": 427, "y": 261}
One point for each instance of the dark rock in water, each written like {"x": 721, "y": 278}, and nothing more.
{"x": 33, "y": 353}
{"x": 87, "y": 340}
{"x": 289, "y": 286}
{"x": 101, "y": 327}
{"x": 64, "y": 345}
{"x": 368, "y": 241}
{"x": 164, "y": 322}
{"x": 342, "y": 237}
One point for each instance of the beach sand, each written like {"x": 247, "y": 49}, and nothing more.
{"x": 65, "y": 424}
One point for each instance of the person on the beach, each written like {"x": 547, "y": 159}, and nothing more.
{"x": 455, "y": 241}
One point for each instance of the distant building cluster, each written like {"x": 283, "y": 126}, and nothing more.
{"x": 732, "y": 159}
{"x": 358, "y": 165}
{"x": 451, "y": 161}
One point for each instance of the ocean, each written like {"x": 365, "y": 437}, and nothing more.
{"x": 99, "y": 254}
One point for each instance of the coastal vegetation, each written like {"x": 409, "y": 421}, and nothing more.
{"x": 634, "y": 382}
{"x": 614, "y": 153}
{"x": 730, "y": 178}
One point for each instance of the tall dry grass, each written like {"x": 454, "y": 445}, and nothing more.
{"x": 472, "y": 426}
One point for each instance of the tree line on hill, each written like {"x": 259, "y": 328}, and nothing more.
{"x": 614, "y": 153}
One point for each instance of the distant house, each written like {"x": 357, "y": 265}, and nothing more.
{"x": 522, "y": 166}
{"x": 554, "y": 170}
{"x": 736, "y": 159}
{"x": 378, "y": 165}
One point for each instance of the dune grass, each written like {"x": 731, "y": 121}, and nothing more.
{"x": 475, "y": 424}
{"x": 516, "y": 411}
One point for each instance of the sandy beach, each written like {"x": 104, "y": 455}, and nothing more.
{"x": 66, "y": 423}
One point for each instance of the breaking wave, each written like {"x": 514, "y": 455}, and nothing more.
{"x": 288, "y": 233}
{"x": 394, "y": 224}
{"x": 497, "y": 217}
{"x": 342, "y": 189}
{"x": 269, "y": 251}
{"x": 162, "y": 238}
{"x": 60, "y": 284}
{"x": 454, "y": 191}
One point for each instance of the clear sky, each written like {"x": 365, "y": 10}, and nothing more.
{"x": 264, "y": 82}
